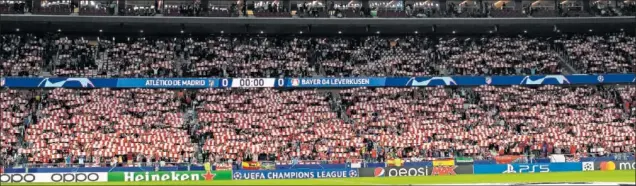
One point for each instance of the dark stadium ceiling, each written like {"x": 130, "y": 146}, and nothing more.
{"x": 203, "y": 26}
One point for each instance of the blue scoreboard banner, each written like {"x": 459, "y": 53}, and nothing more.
{"x": 293, "y": 174}
{"x": 108, "y": 82}
{"x": 526, "y": 168}
{"x": 71, "y": 82}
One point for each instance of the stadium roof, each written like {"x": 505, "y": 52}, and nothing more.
{"x": 207, "y": 25}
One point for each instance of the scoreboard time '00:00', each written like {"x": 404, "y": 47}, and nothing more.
{"x": 253, "y": 82}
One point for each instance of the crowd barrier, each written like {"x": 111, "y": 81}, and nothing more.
{"x": 79, "y": 82}
{"x": 436, "y": 168}
{"x": 304, "y": 165}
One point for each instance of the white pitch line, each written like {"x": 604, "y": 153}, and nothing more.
{"x": 535, "y": 184}
{"x": 468, "y": 184}
{"x": 529, "y": 184}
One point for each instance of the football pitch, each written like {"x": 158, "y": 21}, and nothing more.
{"x": 595, "y": 176}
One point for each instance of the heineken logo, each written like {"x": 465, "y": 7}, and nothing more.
{"x": 209, "y": 176}
{"x": 167, "y": 176}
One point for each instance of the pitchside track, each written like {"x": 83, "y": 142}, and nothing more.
{"x": 628, "y": 176}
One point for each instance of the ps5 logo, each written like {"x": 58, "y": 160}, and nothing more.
{"x": 84, "y": 82}
{"x": 533, "y": 168}
{"x": 527, "y": 169}
{"x": 509, "y": 169}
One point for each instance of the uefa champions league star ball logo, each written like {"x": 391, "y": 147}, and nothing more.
{"x": 237, "y": 175}
{"x": 588, "y": 166}
{"x": 600, "y": 78}
{"x": 353, "y": 173}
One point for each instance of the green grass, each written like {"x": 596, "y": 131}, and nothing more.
{"x": 596, "y": 176}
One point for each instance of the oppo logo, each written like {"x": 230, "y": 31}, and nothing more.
{"x": 78, "y": 177}
{"x": 16, "y": 178}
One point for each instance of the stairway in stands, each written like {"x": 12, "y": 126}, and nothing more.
{"x": 565, "y": 60}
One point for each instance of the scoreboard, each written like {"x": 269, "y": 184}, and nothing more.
{"x": 252, "y": 82}
{"x": 313, "y": 82}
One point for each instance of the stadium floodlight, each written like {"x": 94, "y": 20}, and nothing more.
{"x": 590, "y": 30}
{"x": 261, "y": 32}
{"x": 182, "y": 31}
{"x": 141, "y": 31}
{"x": 100, "y": 30}
{"x": 301, "y": 32}
{"x": 454, "y": 32}
{"x": 490, "y": 31}
{"x": 339, "y": 32}
{"x": 416, "y": 32}
{"x": 622, "y": 29}
{"x": 222, "y": 31}
{"x": 377, "y": 32}
{"x": 525, "y": 31}
{"x": 59, "y": 30}
{"x": 17, "y": 29}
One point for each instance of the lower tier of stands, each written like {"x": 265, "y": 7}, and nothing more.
{"x": 141, "y": 125}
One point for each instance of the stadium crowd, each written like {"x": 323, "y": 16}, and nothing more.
{"x": 601, "y": 54}
{"x": 295, "y": 56}
{"x": 101, "y": 126}
{"x": 104, "y": 126}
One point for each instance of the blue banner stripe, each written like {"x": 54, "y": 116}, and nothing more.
{"x": 20, "y": 82}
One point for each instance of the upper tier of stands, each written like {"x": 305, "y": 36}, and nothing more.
{"x": 229, "y": 56}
